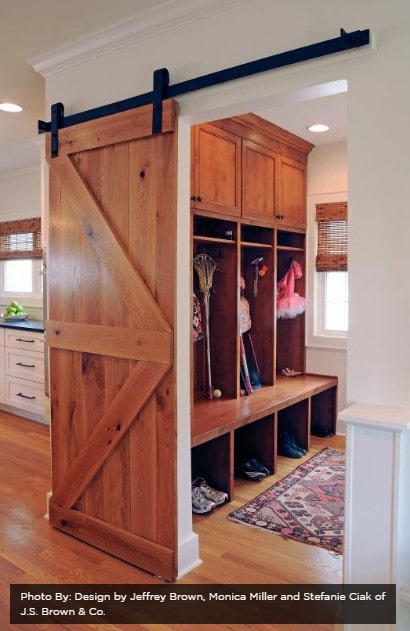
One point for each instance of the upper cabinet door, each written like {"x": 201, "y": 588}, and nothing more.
{"x": 259, "y": 182}
{"x": 216, "y": 181}
{"x": 292, "y": 195}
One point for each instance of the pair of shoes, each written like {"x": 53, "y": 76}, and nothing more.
{"x": 253, "y": 470}
{"x": 290, "y": 372}
{"x": 205, "y": 498}
{"x": 288, "y": 446}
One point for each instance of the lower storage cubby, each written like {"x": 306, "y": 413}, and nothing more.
{"x": 295, "y": 420}
{"x": 257, "y": 440}
{"x": 213, "y": 461}
{"x": 323, "y": 412}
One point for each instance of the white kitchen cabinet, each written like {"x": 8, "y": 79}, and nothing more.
{"x": 2, "y": 372}
{"x": 22, "y": 371}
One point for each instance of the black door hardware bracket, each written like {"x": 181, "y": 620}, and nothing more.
{"x": 162, "y": 90}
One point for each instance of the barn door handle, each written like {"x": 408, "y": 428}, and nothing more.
{"x": 25, "y": 365}
{"x": 25, "y": 396}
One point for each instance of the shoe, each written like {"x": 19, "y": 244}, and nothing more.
{"x": 286, "y": 449}
{"x": 215, "y": 496}
{"x": 249, "y": 471}
{"x": 293, "y": 443}
{"x": 200, "y": 504}
{"x": 259, "y": 466}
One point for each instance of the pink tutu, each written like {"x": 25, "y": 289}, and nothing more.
{"x": 288, "y": 303}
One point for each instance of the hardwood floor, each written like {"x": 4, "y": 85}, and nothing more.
{"x": 33, "y": 552}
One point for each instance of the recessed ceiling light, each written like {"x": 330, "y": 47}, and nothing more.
{"x": 318, "y": 128}
{"x": 10, "y": 107}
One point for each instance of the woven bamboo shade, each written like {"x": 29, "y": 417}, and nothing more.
{"x": 332, "y": 237}
{"x": 20, "y": 239}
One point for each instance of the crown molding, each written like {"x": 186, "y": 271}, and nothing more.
{"x": 167, "y": 16}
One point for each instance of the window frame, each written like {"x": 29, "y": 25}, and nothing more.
{"x": 27, "y": 299}
{"x": 316, "y": 335}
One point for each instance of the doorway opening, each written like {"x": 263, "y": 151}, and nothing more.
{"x": 283, "y": 114}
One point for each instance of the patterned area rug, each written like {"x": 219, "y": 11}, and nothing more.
{"x": 307, "y": 505}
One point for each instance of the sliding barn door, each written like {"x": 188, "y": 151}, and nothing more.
{"x": 110, "y": 334}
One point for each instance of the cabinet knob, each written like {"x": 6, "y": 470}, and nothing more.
{"x": 199, "y": 199}
{"x": 193, "y": 198}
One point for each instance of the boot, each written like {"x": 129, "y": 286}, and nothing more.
{"x": 295, "y": 445}
{"x": 285, "y": 447}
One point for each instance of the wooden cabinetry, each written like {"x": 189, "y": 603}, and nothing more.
{"x": 265, "y": 230}
{"x": 216, "y": 173}
{"x": 292, "y": 194}
{"x": 259, "y": 177}
{"x": 249, "y": 168}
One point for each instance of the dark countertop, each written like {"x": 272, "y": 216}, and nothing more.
{"x": 23, "y": 325}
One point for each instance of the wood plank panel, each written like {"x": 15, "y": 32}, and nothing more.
{"x": 109, "y": 431}
{"x": 117, "y": 327}
{"x": 132, "y": 288}
{"x": 63, "y": 283}
{"x": 152, "y": 246}
{"x": 149, "y": 346}
{"x": 144, "y": 471}
{"x": 112, "y": 480}
{"x": 113, "y": 129}
{"x": 114, "y": 540}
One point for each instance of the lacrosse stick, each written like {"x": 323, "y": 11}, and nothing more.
{"x": 205, "y": 267}
{"x": 244, "y": 364}
{"x": 256, "y": 262}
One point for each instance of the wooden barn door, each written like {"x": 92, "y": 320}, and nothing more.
{"x": 110, "y": 335}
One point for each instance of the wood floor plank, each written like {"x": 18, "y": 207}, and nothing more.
{"x": 31, "y": 551}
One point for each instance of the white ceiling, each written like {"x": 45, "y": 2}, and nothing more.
{"x": 31, "y": 28}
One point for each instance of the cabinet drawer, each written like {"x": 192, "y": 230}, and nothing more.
{"x": 26, "y": 340}
{"x": 24, "y": 364}
{"x": 27, "y": 395}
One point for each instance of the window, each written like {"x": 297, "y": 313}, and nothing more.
{"x": 333, "y": 302}
{"x": 20, "y": 262}
{"x": 329, "y": 321}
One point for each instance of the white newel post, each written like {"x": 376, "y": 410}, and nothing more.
{"x": 377, "y": 527}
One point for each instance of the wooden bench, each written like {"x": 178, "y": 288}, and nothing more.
{"x": 229, "y": 431}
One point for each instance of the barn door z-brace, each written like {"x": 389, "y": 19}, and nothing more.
{"x": 162, "y": 90}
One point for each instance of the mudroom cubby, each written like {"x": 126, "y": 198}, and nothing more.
{"x": 253, "y": 254}
{"x": 222, "y": 308}
{"x": 257, "y": 440}
{"x": 257, "y": 257}
{"x": 213, "y": 461}
{"x": 290, "y": 333}
{"x": 323, "y": 412}
{"x": 296, "y": 420}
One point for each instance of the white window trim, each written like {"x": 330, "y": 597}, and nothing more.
{"x": 33, "y": 299}
{"x": 315, "y": 336}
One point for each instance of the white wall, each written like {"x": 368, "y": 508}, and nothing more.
{"x": 20, "y": 194}
{"x": 20, "y": 199}
{"x": 327, "y": 182}
{"x": 378, "y": 141}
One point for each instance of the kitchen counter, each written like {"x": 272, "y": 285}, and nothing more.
{"x": 23, "y": 325}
